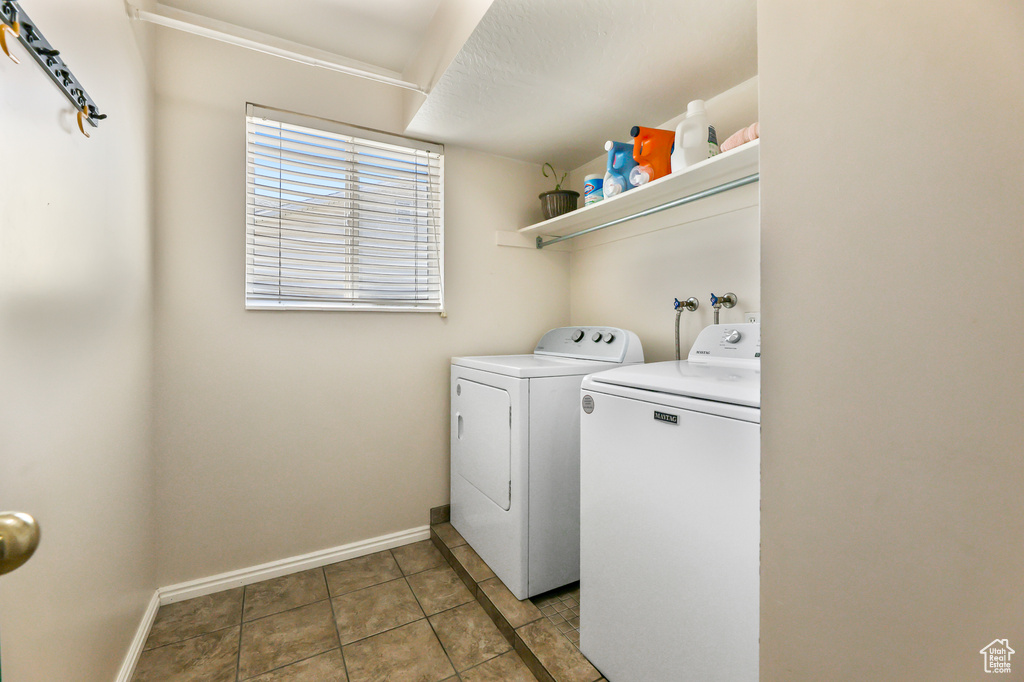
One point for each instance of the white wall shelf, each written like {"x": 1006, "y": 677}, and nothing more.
{"x": 664, "y": 196}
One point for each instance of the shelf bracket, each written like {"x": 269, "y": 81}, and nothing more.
{"x": 696, "y": 196}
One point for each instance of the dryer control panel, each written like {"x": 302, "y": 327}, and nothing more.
{"x": 721, "y": 344}
{"x": 592, "y": 343}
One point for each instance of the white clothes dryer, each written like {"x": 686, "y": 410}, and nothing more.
{"x": 670, "y": 513}
{"x": 515, "y": 453}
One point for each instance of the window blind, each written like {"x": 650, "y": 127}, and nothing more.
{"x": 341, "y": 218}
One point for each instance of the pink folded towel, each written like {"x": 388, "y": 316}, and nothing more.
{"x": 748, "y": 134}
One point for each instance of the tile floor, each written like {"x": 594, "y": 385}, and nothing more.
{"x": 544, "y": 632}
{"x": 399, "y": 615}
{"x": 562, "y": 608}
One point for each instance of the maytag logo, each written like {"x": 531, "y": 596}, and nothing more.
{"x": 667, "y": 418}
{"x": 702, "y": 352}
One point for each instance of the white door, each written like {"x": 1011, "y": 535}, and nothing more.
{"x": 482, "y": 438}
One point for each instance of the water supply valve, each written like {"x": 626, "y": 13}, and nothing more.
{"x": 690, "y": 304}
{"x": 725, "y": 301}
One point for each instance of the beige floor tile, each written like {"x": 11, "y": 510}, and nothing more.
{"x": 285, "y": 638}
{"x": 560, "y": 658}
{"x": 211, "y": 657}
{"x": 472, "y": 562}
{"x": 327, "y": 667}
{"x": 287, "y": 592}
{"x": 449, "y": 536}
{"x": 184, "y": 619}
{"x": 410, "y": 653}
{"x": 468, "y": 635}
{"x": 375, "y": 609}
{"x": 506, "y": 668}
{"x": 418, "y": 557}
{"x": 364, "y": 571}
{"x": 516, "y": 612}
{"x": 439, "y": 589}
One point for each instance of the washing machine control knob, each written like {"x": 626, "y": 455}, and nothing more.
{"x": 596, "y": 337}
{"x": 733, "y": 336}
{"x": 609, "y": 337}
{"x": 577, "y": 335}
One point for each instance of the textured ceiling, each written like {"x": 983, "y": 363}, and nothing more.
{"x": 551, "y": 80}
{"x": 538, "y": 80}
{"x": 384, "y": 33}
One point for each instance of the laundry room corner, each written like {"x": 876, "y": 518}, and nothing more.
{"x": 328, "y": 427}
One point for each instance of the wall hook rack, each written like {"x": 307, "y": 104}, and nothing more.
{"x": 18, "y": 23}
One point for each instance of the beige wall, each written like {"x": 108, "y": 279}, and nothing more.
{"x": 892, "y": 246}
{"x": 631, "y": 283}
{"x": 628, "y": 276}
{"x": 280, "y": 433}
{"x": 75, "y": 350}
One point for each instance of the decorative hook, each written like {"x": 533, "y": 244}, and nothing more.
{"x": 83, "y": 112}
{"x": 15, "y": 22}
{"x": 15, "y": 30}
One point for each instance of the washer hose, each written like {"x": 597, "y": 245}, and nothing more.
{"x": 679, "y": 311}
{"x": 690, "y": 304}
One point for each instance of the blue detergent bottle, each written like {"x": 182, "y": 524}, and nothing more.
{"x": 620, "y": 163}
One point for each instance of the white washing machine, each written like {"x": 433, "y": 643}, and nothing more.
{"x": 515, "y": 453}
{"x": 670, "y": 514}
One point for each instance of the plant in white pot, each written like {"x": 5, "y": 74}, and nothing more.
{"x": 557, "y": 201}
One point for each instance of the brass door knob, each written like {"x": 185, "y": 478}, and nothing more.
{"x": 19, "y": 537}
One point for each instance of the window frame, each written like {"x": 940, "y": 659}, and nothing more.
{"x": 435, "y": 154}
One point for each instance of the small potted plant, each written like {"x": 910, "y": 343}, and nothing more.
{"x": 557, "y": 201}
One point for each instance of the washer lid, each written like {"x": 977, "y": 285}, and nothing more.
{"x": 530, "y": 366}
{"x": 735, "y": 385}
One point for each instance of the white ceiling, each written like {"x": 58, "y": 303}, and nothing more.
{"x": 539, "y": 80}
{"x": 552, "y": 80}
{"x": 383, "y": 33}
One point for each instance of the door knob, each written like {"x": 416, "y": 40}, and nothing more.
{"x": 19, "y": 537}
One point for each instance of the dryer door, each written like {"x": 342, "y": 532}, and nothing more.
{"x": 482, "y": 438}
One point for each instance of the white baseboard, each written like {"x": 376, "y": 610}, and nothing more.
{"x": 131, "y": 659}
{"x": 274, "y": 569}
{"x": 254, "y": 574}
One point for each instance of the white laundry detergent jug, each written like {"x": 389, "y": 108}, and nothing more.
{"x": 694, "y": 138}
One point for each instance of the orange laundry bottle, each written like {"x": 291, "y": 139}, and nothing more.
{"x": 652, "y": 151}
